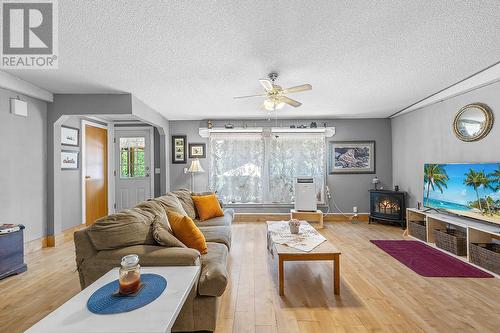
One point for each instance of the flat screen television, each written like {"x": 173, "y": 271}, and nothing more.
{"x": 471, "y": 190}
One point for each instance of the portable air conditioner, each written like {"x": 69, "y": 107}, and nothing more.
{"x": 305, "y": 194}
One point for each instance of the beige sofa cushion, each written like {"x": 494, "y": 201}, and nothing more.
{"x": 128, "y": 227}
{"x": 225, "y": 220}
{"x": 213, "y": 275}
{"x": 163, "y": 234}
{"x": 218, "y": 234}
{"x": 153, "y": 255}
{"x": 153, "y": 207}
{"x": 184, "y": 196}
{"x": 170, "y": 202}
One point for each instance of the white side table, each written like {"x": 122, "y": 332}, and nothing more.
{"x": 156, "y": 317}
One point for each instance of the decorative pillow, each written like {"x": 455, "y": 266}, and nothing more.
{"x": 187, "y": 232}
{"x": 184, "y": 196}
{"x": 126, "y": 228}
{"x": 163, "y": 234}
{"x": 207, "y": 206}
{"x": 171, "y": 203}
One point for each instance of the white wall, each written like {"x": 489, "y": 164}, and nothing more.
{"x": 426, "y": 136}
{"x": 23, "y": 165}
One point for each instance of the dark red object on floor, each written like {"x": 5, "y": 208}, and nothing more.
{"x": 427, "y": 261}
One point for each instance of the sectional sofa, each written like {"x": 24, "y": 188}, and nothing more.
{"x": 101, "y": 246}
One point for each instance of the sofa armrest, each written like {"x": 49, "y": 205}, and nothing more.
{"x": 83, "y": 245}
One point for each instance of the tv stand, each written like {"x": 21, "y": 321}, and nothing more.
{"x": 477, "y": 231}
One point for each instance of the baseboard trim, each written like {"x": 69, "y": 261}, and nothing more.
{"x": 263, "y": 217}
{"x": 52, "y": 240}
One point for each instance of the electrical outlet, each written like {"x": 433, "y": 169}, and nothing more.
{"x": 355, "y": 209}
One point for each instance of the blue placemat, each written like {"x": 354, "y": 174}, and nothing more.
{"x": 102, "y": 300}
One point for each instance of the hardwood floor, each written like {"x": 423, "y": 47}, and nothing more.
{"x": 377, "y": 292}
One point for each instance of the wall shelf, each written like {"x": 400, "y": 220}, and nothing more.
{"x": 205, "y": 132}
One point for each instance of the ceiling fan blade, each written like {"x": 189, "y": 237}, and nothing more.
{"x": 295, "y": 89}
{"x": 259, "y": 95}
{"x": 268, "y": 85}
{"x": 290, "y": 101}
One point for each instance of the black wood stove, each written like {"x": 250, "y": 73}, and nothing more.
{"x": 388, "y": 206}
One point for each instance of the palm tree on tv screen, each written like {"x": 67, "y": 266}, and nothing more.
{"x": 435, "y": 176}
{"x": 487, "y": 183}
{"x": 495, "y": 177}
{"x": 475, "y": 179}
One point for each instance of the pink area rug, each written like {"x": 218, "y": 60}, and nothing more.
{"x": 427, "y": 261}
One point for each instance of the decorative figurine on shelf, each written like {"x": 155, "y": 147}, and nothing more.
{"x": 313, "y": 125}
{"x": 229, "y": 126}
{"x": 375, "y": 182}
{"x": 292, "y": 126}
{"x": 294, "y": 225}
{"x": 396, "y": 188}
{"x": 210, "y": 125}
{"x": 324, "y": 124}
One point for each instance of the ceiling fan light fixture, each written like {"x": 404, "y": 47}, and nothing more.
{"x": 271, "y": 105}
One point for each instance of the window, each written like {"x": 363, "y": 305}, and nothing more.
{"x": 132, "y": 164}
{"x": 293, "y": 155}
{"x": 236, "y": 167}
{"x": 259, "y": 168}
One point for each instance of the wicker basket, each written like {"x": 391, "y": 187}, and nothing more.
{"x": 451, "y": 240}
{"x": 417, "y": 229}
{"x": 486, "y": 255}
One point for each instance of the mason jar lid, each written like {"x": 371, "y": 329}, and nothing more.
{"x": 130, "y": 260}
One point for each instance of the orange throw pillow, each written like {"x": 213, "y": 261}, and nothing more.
{"x": 207, "y": 206}
{"x": 187, "y": 232}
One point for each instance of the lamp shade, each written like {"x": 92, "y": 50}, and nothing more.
{"x": 195, "y": 166}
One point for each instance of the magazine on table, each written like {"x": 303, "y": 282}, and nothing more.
{"x": 6, "y": 228}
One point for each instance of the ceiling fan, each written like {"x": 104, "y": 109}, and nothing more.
{"x": 275, "y": 95}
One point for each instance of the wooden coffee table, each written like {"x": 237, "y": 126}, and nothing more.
{"x": 324, "y": 251}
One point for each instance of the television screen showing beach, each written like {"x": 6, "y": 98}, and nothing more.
{"x": 471, "y": 190}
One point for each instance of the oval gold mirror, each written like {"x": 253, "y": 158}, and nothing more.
{"x": 473, "y": 122}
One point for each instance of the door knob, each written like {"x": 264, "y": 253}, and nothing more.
{"x": 87, "y": 177}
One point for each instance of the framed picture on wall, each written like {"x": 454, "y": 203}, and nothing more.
{"x": 351, "y": 157}
{"x": 69, "y": 160}
{"x": 179, "y": 149}
{"x": 197, "y": 150}
{"x": 69, "y": 136}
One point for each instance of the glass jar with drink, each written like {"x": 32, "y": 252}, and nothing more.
{"x": 130, "y": 274}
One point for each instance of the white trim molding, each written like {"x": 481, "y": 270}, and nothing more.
{"x": 478, "y": 80}
{"x": 15, "y": 84}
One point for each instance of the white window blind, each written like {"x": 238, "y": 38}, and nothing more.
{"x": 260, "y": 168}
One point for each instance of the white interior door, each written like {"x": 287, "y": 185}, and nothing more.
{"x": 134, "y": 164}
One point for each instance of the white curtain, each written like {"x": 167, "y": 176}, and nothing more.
{"x": 293, "y": 155}
{"x": 236, "y": 166}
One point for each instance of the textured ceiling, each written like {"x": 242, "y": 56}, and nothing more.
{"x": 187, "y": 59}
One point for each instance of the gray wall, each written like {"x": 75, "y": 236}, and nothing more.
{"x": 426, "y": 135}
{"x": 349, "y": 190}
{"x": 71, "y": 189}
{"x": 23, "y": 166}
